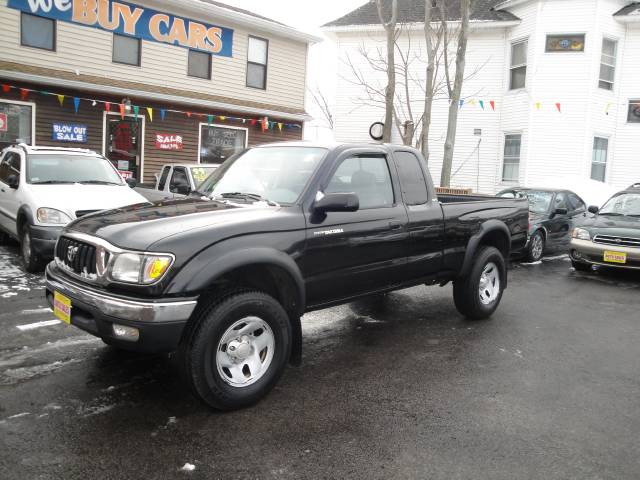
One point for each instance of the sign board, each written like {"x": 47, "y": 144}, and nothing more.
{"x": 165, "y": 141}
{"x": 4, "y": 123}
{"x": 125, "y": 175}
{"x": 135, "y": 21}
{"x": 69, "y": 132}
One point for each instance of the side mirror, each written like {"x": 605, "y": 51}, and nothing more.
{"x": 13, "y": 181}
{"x": 593, "y": 209}
{"x": 132, "y": 182}
{"x": 181, "y": 189}
{"x": 560, "y": 211}
{"x": 337, "y": 202}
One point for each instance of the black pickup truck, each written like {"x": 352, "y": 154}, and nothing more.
{"x": 223, "y": 276}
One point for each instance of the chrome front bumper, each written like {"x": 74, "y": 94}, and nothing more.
{"x": 179, "y": 310}
{"x": 593, "y": 253}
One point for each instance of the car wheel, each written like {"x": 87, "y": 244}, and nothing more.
{"x": 237, "y": 349}
{"x": 32, "y": 262}
{"x": 580, "y": 266}
{"x": 4, "y": 238}
{"x": 536, "y": 247}
{"x": 477, "y": 295}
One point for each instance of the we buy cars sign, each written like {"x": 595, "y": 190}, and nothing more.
{"x": 165, "y": 141}
{"x": 4, "y": 124}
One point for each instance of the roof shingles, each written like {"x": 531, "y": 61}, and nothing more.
{"x": 412, "y": 11}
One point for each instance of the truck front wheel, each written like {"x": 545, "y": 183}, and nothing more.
{"x": 237, "y": 349}
{"x": 479, "y": 293}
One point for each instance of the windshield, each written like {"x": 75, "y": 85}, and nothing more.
{"x": 539, "y": 201}
{"x": 625, "y": 204}
{"x": 200, "y": 174}
{"x": 277, "y": 174}
{"x": 61, "y": 168}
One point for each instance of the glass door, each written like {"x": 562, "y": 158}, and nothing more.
{"x": 124, "y": 145}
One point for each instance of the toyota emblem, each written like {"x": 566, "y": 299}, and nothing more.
{"x": 71, "y": 253}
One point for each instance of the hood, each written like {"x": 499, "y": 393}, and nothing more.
{"x": 73, "y": 197}
{"x": 187, "y": 225}
{"x": 616, "y": 226}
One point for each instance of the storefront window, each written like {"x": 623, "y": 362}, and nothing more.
{"x": 219, "y": 143}
{"x": 15, "y": 124}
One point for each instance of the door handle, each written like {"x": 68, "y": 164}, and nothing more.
{"x": 395, "y": 225}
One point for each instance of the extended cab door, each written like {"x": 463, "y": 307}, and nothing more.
{"x": 348, "y": 253}
{"x": 426, "y": 223}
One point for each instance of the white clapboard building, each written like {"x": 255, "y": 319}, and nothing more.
{"x": 553, "y": 89}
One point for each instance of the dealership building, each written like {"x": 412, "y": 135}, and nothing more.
{"x": 189, "y": 81}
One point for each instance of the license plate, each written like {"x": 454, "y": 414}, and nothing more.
{"x": 62, "y": 307}
{"x": 615, "y": 257}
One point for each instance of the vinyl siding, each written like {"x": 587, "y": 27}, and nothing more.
{"x": 89, "y": 50}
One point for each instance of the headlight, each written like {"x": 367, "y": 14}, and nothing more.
{"x": 140, "y": 268}
{"x": 581, "y": 234}
{"x": 53, "y": 216}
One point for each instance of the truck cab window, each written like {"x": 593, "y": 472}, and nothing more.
{"x": 179, "y": 179}
{"x": 368, "y": 177}
{"x": 163, "y": 178}
{"x": 412, "y": 181}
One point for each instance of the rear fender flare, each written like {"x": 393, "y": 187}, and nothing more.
{"x": 488, "y": 227}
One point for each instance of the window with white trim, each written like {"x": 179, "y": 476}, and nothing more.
{"x": 218, "y": 143}
{"x": 511, "y": 159}
{"x": 257, "y": 55}
{"x": 16, "y": 121}
{"x": 518, "y": 68}
{"x": 608, "y": 63}
{"x": 599, "y": 158}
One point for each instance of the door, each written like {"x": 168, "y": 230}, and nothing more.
{"x": 425, "y": 218}
{"x": 179, "y": 184}
{"x": 9, "y": 202}
{"x": 124, "y": 139}
{"x": 349, "y": 253}
{"x": 559, "y": 224}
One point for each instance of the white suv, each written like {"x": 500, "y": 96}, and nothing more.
{"x": 44, "y": 188}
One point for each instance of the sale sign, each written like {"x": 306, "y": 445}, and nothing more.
{"x": 4, "y": 123}
{"x": 165, "y": 141}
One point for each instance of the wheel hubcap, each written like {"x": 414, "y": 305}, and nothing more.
{"x": 536, "y": 248}
{"x": 489, "y": 287}
{"x": 245, "y": 352}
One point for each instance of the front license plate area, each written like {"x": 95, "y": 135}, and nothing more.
{"x": 615, "y": 257}
{"x": 62, "y": 307}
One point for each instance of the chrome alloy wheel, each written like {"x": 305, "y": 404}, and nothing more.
{"x": 489, "y": 287}
{"x": 245, "y": 352}
{"x": 536, "y": 247}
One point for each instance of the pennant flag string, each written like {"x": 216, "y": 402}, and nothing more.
{"x": 263, "y": 122}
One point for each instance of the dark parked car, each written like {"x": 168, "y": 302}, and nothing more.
{"x": 612, "y": 236}
{"x": 224, "y": 276}
{"x": 553, "y": 213}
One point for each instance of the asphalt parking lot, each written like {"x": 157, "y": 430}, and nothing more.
{"x": 395, "y": 387}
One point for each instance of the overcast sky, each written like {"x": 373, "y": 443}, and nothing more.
{"x": 308, "y": 16}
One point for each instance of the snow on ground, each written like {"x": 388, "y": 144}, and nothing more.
{"x": 13, "y": 279}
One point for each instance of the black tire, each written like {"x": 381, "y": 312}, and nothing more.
{"x": 466, "y": 291}
{"x": 580, "y": 266}
{"x": 32, "y": 262}
{"x": 535, "y": 250}
{"x": 4, "y": 238}
{"x": 199, "y": 348}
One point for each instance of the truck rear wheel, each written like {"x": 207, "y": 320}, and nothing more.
{"x": 237, "y": 349}
{"x": 478, "y": 294}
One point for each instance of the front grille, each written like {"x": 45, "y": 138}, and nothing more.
{"x": 82, "y": 213}
{"x": 617, "y": 241}
{"x": 79, "y": 257}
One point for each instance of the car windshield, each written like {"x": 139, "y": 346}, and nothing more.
{"x": 539, "y": 200}
{"x": 200, "y": 174}
{"x": 277, "y": 174}
{"x": 625, "y": 204}
{"x": 61, "y": 168}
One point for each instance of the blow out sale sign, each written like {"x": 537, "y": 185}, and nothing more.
{"x": 165, "y": 141}
{"x": 4, "y": 125}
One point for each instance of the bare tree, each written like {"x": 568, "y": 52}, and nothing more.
{"x": 432, "y": 49}
{"x": 455, "y": 92}
{"x": 390, "y": 92}
{"x": 321, "y": 102}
